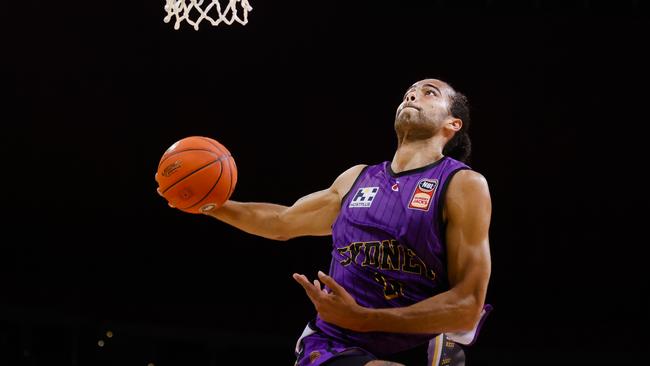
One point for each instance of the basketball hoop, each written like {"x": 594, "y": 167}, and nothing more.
{"x": 195, "y": 11}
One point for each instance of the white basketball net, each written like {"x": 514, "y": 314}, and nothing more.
{"x": 195, "y": 11}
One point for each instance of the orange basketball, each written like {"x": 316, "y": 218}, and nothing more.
{"x": 196, "y": 174}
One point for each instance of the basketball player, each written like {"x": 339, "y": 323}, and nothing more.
{"x": 410, "y": 257}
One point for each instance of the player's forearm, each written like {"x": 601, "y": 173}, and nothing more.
{"x": 447, "y": 312}
{"x": 256, "y": 218}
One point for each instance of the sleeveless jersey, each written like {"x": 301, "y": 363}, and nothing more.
{"x": 389, "y": 247}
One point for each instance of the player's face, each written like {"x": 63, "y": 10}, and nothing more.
{"x": 424, "y": 106}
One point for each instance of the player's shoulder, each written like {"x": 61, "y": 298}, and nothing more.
{"x": 470, "y": 176}
{"x": 346, "y": 179}
{"x": 355, "y": 170}
{"x": 468, "y": 180}
{"x": 352, "y": 172}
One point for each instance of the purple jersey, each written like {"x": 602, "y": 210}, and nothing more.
{"x": 389, "y": 246}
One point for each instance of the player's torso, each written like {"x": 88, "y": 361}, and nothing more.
{"x": 388, "y": 240}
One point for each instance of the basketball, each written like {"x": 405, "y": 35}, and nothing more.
{"x": 196, "y": 174}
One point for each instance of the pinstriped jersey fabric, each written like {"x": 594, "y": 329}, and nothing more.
{"x": 388, "y": 245}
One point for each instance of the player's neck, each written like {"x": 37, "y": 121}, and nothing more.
{"x": 413, "y": 154}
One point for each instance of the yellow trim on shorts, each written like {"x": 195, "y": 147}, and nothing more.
{"x": 436, "y": 350}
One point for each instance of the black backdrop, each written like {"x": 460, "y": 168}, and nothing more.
{"x": 98, "y": 90}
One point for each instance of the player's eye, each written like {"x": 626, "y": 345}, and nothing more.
{"x": 430, "y": 92}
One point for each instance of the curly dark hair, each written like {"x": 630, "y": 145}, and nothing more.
{"x": 460, "y": 146}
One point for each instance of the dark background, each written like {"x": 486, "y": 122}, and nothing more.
{"x": 98, "y": 90}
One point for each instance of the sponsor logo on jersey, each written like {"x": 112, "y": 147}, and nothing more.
{"x": 364, "y": 197}
{"x": 423, "y": 194}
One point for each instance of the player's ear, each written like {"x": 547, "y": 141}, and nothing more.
{"x": 455, "y": 124}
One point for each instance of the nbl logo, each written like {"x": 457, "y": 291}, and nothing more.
{"x": 364, "y": 197}
{"x": 423, "y": 194}
{"x": 427, "y": 185}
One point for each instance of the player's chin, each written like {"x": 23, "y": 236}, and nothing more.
{"x": 408, "y": 117}
{"x": 408, "y": 113}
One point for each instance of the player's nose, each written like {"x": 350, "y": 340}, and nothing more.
{"x": 410, "y": 96}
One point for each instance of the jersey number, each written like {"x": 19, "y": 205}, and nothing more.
{"x": 392, "y": 288}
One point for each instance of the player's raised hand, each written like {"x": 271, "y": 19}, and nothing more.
{"x": 335, "y": 306}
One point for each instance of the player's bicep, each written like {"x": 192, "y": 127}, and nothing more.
{"x": 468, "y": 209}
{"x": 315, "y": 213}
{"x": 312, "y": 214}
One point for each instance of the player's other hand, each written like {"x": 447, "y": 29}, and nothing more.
{"x": 333, "y": 303}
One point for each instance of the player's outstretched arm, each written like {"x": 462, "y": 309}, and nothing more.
{"x": 313, "y": 214}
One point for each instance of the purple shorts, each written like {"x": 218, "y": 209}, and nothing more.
{"x": 315, "y": 348}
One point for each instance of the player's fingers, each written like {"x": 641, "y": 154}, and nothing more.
{"x": 329, "y": 281}
{"x": 318, "y": 287}
{"x": 311, "y": 291}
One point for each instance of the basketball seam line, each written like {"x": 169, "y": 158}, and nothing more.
{"x": 185, "y": 177}
{"x": 228, "y": 160}
{"x": 180, "y": 151}
{"x": 230, "y": 189}
{"x": 211, "y": 143}
{"x": 211, "y": 189}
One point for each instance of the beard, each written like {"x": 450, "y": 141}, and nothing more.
{"x": 412, "y": 123}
